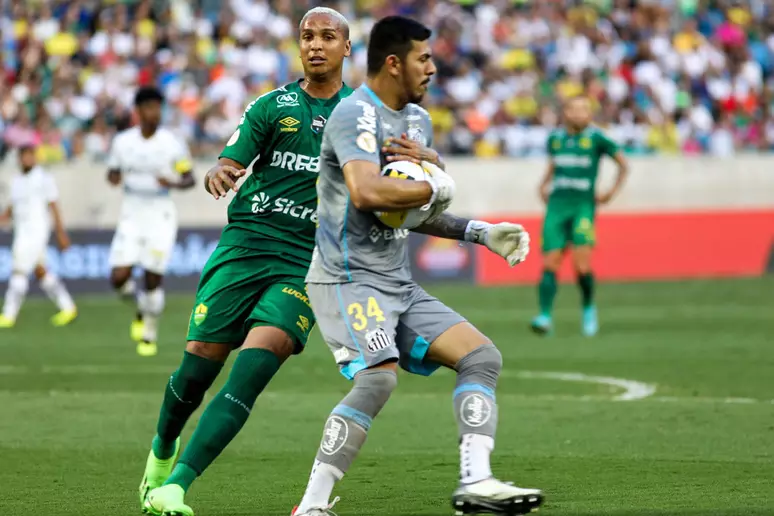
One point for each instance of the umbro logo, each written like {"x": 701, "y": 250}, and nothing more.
{"x": 289, "y": 125}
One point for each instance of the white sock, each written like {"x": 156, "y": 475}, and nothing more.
{"x": 14, "y": 296}
{"x": 57, "y": 292}
{"x": 152, "y": 307}
{"x": 475, "y": 450}
{"x": 318, "y": 491}
{"x": 129, "y": 289}
{"x": 142, "y": 302}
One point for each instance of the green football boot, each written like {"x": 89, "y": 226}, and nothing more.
{"x": 157, "y": 471}
{"x": 167, "y": 501}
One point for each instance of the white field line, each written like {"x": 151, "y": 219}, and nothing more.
{"x": 632, "y": 389}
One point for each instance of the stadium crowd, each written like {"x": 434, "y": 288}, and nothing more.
{"x": 665, "y": 76}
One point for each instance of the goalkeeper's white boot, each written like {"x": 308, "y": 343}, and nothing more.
{"x": 491, "y": 496}
{"x": 317, "y": 512}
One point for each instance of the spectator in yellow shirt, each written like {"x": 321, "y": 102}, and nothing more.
{"x": 523, "y": 106}
{"x": 663, "y": 137}
{"x": 689, "y": 39}
{"x": 51, "y": 148}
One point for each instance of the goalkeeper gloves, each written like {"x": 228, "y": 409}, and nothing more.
{"x": 443, "y": 189}
{"x": 509, "y": 240}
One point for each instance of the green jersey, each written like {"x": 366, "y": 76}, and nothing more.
{"x": 576, "y": 159}
{"x": 276, "y": 207}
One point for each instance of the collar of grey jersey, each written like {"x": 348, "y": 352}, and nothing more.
{"x": 377, "y": 100}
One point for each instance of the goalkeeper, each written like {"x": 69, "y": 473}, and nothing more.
{"x": 569, "y": 190}
{"x": 371, "y": 313}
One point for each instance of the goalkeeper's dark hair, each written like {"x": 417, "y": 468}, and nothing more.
{"x": 148, "y": 94}
{"x": 393, "y": 35}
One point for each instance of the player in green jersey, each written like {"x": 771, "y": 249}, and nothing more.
{"x": 569, "y": 190}
{"x": 252, "y": 292}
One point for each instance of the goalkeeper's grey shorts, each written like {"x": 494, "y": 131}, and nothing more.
{"x": 366, "y": 325}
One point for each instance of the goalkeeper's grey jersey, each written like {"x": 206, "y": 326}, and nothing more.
{"x": 353, "y": 245}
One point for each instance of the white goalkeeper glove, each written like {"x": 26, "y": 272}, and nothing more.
{"x": 509, "y": 240}
{"x": 443, "y": 186}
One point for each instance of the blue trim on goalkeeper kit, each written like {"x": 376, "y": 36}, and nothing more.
{"x": 416, "y": 363}
{"x": 473, "y": 387}
{"x": 355, "y": 366}
{"x": 361, "y": 418}
{"x": 345, "y": 252}
{"x": 373, "y": 96}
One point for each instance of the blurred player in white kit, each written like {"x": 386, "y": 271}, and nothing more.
{"x": 149, "y": 161}
{"x": 34, "y": 210}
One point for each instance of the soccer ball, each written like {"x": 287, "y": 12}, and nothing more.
{"x": 407, "y": 219}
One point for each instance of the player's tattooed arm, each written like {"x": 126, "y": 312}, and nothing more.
{"x": 370, "y": 191}
{"x": 445, "y": 225}
{"x": 5, "y": 215}
{"x": 403, "y": 149}
{"x": 506, "y": 239}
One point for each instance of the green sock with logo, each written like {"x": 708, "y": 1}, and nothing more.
{"x": 226, "y": 414}
{"x": 184, "y": 393}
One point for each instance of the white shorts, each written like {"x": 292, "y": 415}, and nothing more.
{"x": 145, "y": 239}
{"x": 29, "y": 250}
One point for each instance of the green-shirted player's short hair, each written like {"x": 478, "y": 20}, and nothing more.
{"x": 341, "y": 21}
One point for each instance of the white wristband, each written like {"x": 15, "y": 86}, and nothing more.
{"x": 476, "y": 231}
{"x": 433, "y": 196}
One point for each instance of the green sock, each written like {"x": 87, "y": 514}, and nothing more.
{"x": 547, "y": 292}
{"x": 227, "y": 412}
{"x": 183, "y": 475}
{"x": 184, "y": 393}
{"x": 586, "y": 284}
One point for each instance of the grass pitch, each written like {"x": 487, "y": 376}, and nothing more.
{"x": 78, "y": 410}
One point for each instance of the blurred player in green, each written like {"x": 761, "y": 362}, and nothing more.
{"x": 252, "y": 291}
{"x": 569, "y": 191}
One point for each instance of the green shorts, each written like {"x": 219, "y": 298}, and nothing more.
{"x": 241, "y": 289}
{"x": 568, "y": 223}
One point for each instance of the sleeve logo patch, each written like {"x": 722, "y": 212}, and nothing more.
{"x": 234, "y": 138}
{"x": 288, "y": 99}
{"x": 200, "y": 314}
{"x": 367, "y": 142}
{"x": 318, "y": 124}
